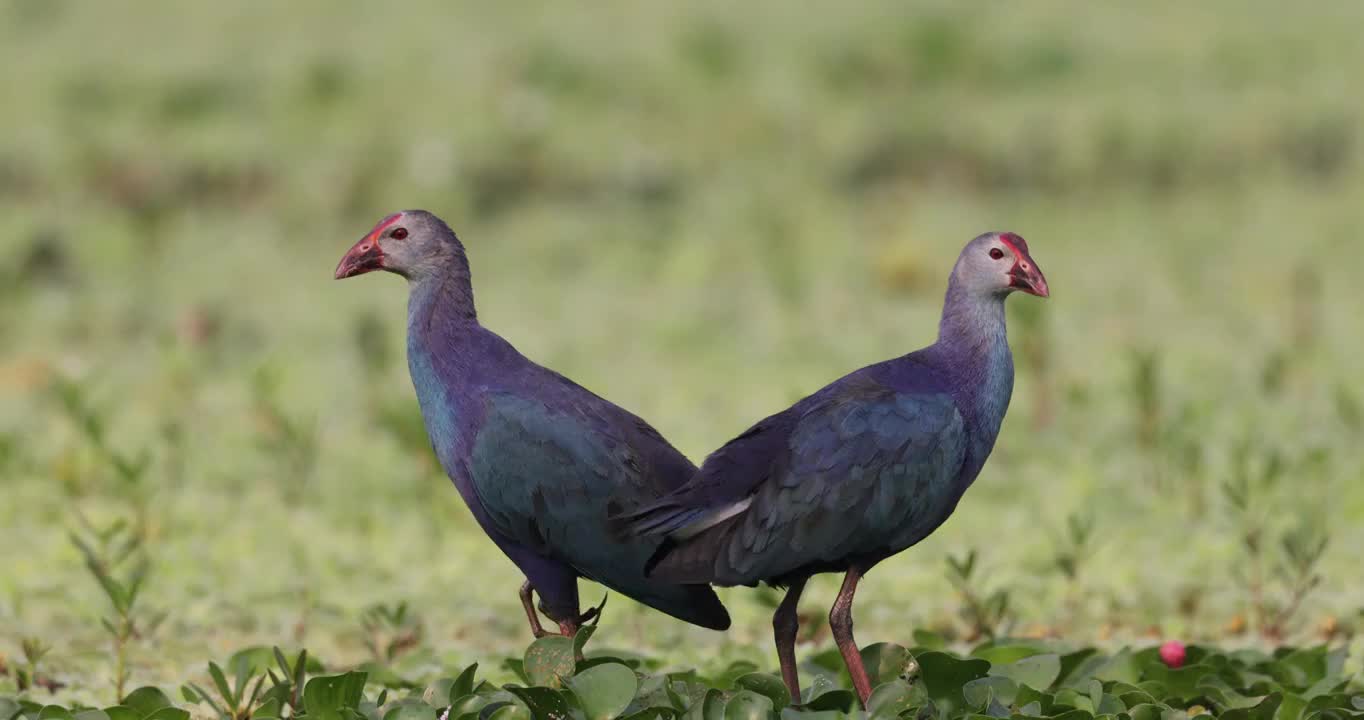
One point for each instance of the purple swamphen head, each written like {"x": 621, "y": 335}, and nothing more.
{"x": 411, "y": 243}
{"x": 999, "y": 263}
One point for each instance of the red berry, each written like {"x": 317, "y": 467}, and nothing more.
{"x": 1172, "y": 653}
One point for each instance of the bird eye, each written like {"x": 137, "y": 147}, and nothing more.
{"x": 996, "y": 253}
{"x": 398, "y": 233}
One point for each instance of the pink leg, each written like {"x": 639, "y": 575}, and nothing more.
{"x": 841, "y": 623}
{"x": 528, "y": 603}
{"x": 785, "y": 625}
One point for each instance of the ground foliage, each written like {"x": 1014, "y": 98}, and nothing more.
{"x": 1004, "y": 679}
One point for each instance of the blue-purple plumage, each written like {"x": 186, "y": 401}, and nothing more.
{"x": 858, "y": 471}
{"x": 538, "y": 459}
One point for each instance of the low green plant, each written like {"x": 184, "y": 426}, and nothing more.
{"x": 986, "y": 612}
{"x": 390, "y": 631}
{"x": 1279, "y": 566}
{"x": 9, "y": 452}
{"x": 1073, "y": 548}
{"x": 26, "y": 674}
{"x": 1000, "y": 678}
{"x": 288, "y": 439}
{"x": 115, "y": 557}
{"x": 129, "y": 468}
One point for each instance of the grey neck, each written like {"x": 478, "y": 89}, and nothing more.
{"x": 441, "y": 300}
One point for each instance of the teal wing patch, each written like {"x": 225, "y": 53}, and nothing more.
{"x": 544, "y": 478}
{"x": 866, "y": 471}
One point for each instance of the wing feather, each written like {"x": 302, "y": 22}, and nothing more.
{"x": 865, "y": 471}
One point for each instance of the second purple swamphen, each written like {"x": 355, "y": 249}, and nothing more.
{"x": 537, "y": 458}
{"x": 860, "y": 470}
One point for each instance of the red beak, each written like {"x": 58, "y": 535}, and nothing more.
{"x": 1026, "y": 276}
{"x": 365, "y": 256}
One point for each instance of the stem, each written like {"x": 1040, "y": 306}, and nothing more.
{"x": 121, "y": 656}
{"x": 1300, "y": 590}
{"x": 977, "y": 610}
{"x": 1257, "y": 600}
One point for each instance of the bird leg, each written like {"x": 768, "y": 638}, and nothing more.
{"x": 528, "y": 603}
{"x": 841, "y": 623}
{"x": 785, "y": 625}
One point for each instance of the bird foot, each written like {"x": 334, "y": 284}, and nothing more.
{"x": 570, "y": 628}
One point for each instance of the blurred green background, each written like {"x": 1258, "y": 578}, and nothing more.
{"x": 702, "y": 212}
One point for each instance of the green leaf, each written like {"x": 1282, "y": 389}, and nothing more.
{"x": 833, "y": 700}
{"x": 549, "y": 660}
{"x": 113, "y": 589}
{"x": 1328, "y": 702}
{"x": 683, "y": 691}
{"x": 1147, "y": 712}
{"x": 510, "y": 711}
{"x": 1038, "y": 672}
{"x": 518, "y": 668}
{"x": 893, "y": 698}
{"x": 944, "y": 676}
{"x": 711, "y": 707}
{"x": 604, "y": 691}
{"x": 748, "y": 705}
{"x": 1300, "y": 669}
{"x": 584, "y": 634}
{"x": 653, "y": 692}
{"x": 543, "y": 703}
{"x": 1214, "y": 688}
{"x": 464, "y": 684}
{"x": 1292, "y": 708}
{"x": 328, "y": 695}
{"x": 1004, "y": 653}
{"x": 1073, "y": 699}
{"x": 54, "y": 712}
{"x": 1080, "y": 664}
{"x": 652, "y": 713}
{"x": 220, "y": 682}
{"x": 734, "y": 671}
{"x": 769, "y": 686}
{"x": 8, "y": 708}
{"x": 169, "y": 713}
{"x": 436, "y": 694}
{"x": 146, "y": 700}
{"x": 121, "y": 712}
{"x": 269, "y": 709}
{"x": 1328, "y": 685}
{"x": 1122, "y": 667}
{"x": 1027, "y": 697}
{"x": 468, "y": 705}
{"x": 1109, "y": 705}
{"x": 1075, "y": 715}
{"x": 1265, "y": 710}
{"x": 411, "y": 711}
{"x": 1182, "y": 683}
{"x": 885, "y": 662}
{"x": 980, "y": 692}
{"x": 92, "y": 714}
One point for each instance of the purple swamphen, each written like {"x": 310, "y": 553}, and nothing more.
{"x": 856, "y": 472}
{"x": 537, "y": 458}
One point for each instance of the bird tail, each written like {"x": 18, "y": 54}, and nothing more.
{"x": 661, "y": 518}
{"x": 696, "y": 604}
{"x": 693, "y": 559}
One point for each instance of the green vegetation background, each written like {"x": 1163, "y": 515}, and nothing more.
{"x": 702, "y": 212}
